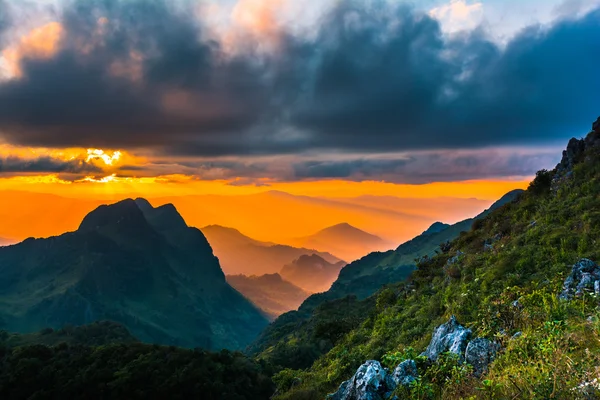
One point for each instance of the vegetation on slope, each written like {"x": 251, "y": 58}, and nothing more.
{"x": 292, "y": 332}
{"x": 519, "y": 253}
{"x": 129, "y": 371}
{"x": 95, "y": 334}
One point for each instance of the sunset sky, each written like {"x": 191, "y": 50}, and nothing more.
{"x": 105, "y": 99}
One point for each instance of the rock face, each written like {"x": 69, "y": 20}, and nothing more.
{"x": 451, "y": 337}
{"x": 571, "y": 155}
{"x": 405, "y": 373}
{"x": 454, "y": 259}
{"x": 480, "y": 353}
{"x": 596, "y": 126}
{"x": 583, "y": 278}
{"x": 371, "y": 382}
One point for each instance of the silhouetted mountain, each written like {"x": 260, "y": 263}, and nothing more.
{"x": 312, "y": 273}
{"x": 271, "y": 293}
{"x": 345, "y": 241}
{"x": 131, "y": 263}
{"x": 436, "y": 228}
{"x": 359, "y": 280}
{"x": 240, "y": 254}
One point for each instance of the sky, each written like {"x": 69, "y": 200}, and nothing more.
{"x": 338, "y": 98}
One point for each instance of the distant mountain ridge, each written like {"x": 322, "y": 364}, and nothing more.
{"x": 271, "y": 293}
{"x": 344, "y": 240}
{"x": 131, "y": 263}
{"x": 240, "y": 254}
{"x": 359, "y": 280}
{"x": 436, "y": 227}
{"x": 312, "y": 272}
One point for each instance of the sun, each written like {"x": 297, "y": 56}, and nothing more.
{"x": 98, "y": 154}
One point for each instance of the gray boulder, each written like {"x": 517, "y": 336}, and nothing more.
{"x": 480, "y": 353}
{"x": 371, "y": 382}
{"x": 451, "y": 337}
{"x": 454, "y": 259}
{"x": 405, "y": 373}
{"x": 583, "y": 278}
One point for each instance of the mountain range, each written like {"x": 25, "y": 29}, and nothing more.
{"x": 240, "y": 254}
{"x": 312, "y": 272}
{"x": 344, "y": 240}
{"x": 359, "y": 280}
{"x": 131, "y": 263}
{"x": 271, "y": 293}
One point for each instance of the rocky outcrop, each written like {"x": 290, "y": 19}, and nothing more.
{"x": 371, "y": 382}
{"x": 584, "y": 277}
{"x": 571, "y": 155}
{"x": 574, "y": 154}
{"x": 449, "y": 337}
{"x": 480, "y": 353}
{"x": 454, "y": 259}
{"x": 405, "y": 373}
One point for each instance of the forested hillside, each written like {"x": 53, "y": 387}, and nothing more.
{"x": 501, "y": 280}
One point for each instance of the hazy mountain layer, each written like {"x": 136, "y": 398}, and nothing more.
{"x": 312, "y": 273}
{"x": 270, "y": 293}
{"x": 240, "y": 254}
{"x": 344, "y": 240}
{"x": 359, "y": 279}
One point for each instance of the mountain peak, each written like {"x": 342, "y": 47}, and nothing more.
{"x": 165, "y": 217}
{"x": 309, "y": 259}
{"x": 143, "y": 204}
{"x": 436, "y": 227}
{"x": 346, "y": 231}
{"x": 125, "y": 212}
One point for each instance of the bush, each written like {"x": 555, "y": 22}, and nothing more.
{"x": 542, "y": 182}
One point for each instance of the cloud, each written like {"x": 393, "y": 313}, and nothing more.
{"x": 87, "y": 94}
{"x": 375, "y": 77}
{"x": 40, "y": 43}
{"x": 411, "y": 88}
{"x": 432, "y": 166}
{"x": 458, "y": 15}
{"x": 46, "y": 164}
{"x": 416, "y": 167}
{"x": 5, "y": 19}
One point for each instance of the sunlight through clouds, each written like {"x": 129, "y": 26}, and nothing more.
{"x": 459, "y": 15}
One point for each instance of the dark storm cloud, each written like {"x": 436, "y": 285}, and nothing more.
{"x": 129, "y": 74}
{"x": 388, "y": 80}
{"x": 427, "y": 167}
{"x": 382, "y": 77}
{"x": 45, "y": 164}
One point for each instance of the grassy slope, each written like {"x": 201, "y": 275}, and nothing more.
{"x": 293, "y": 332}
{"x": 559, "y": 346}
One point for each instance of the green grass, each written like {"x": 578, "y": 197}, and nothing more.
{"x": 558, "y": 349}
